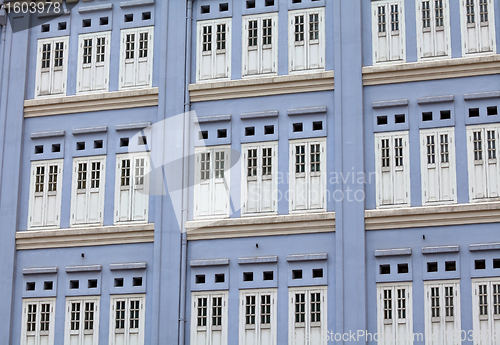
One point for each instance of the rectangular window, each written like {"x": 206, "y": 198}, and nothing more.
{"x": 388, "y": 304}
{"x": 260, "y": 51}
{"x": 388, "y": 31}
{"x": 127, "y": 322}
{"x": 306, "y": 40}
{"x": 38, "y": 321}
{"x": 136, "y": 58}
{"x": 308, "y": 175}
{"x": 308, "y": 313}
{"x": 87, "y": 199}
{"x": 442, "y": 309}
{"x": 132, "y": 187}
{"x": 259, "y": 178}
{"x": 433, "y": 29}
{"x": 214, "y": 63}
{"x": 394, "y": 312}
{"x": 82, "y": 320}
{"x": 45, "y": 194}
{"x": 52, "y": 66}
{"x": 211, "y": 189}
{"x": 486, "y": 307}
{"x": 209, "y": 318}
{"x": 438, "y": 166}
{"x": 93, "y": 62}
{"x": 392, "y": 169}
{"x": 478, "y": 33}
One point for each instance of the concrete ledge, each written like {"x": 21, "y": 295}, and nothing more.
{"x": 100, "y": 129}
{"x": 431, "y": 70}
{"x": 258, "y": 260}
{"x": 440, "y": 249}
{"x": 128, "y": 266}
{"x": 306, "y": 257}
{"x": 88, "y": 268}
{"x": 387, "y": 104}
{"x": 95, "y": 8}
{"x": 306, "y": 111}
{"x": 91, "y": 102}
{"x": 484, "y": 246}
{"x": 49, "y": 134}
{"x": 259, "y": 114}
{"x": 481, "y": 95}
{"x": 392, "y": 252}
{"x": 130, "y": 126}
{"x": 264, "y": 86}
{"x": 209, "y": 262}
{"x": 40, "y": 270}
{"x": 428, "y": 216}
{"x": 436, "y": 99}
{"x": 214, "y": 118}
{"x": 261, "y": 226}
{"x": 133, "y": 3}
{"x": 83, "y": 237}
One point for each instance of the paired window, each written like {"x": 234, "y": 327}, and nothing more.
{"x": 392, "y": 169}
{"x": 52, "y": 66}
{"x": 82, "y": 321}
{"x": 209, "y": 318}
{"x": 260, "y": 44}
{"x": 258, "y": 317}
{"x": 212, "y": 181}
{"x": 438, "y": 166}
{"x": 93, "y": 62}
{"x": 484, "y": 171}
{"x": 308, "y": 314}
{"x": 306, "y": 39}
{"x": 307, "y": 174}
{"x": 132, "y": 187}
{"x": 259, "y": 177}
{"x": 214, "y": 49}
{"x": 45, "y": 194}
{"x": 388, "y": 31}
{"x": 433, "y": 28}
{"x": 394, "y": 312}
{"x": 136, "y": 57}
{"x": 87, "y": 199}
{"x": 127, "y": 320}
{"x": 38, "y": 321}
{"x": 486, "y": 308}
{"x": 478, "y": 26}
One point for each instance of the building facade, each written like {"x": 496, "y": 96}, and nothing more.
{"x": 219, "y": 172}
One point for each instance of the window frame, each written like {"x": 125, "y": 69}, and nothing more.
{"x": 389, "y": 34}
{"x": 52, "y": 69}
{"x": 308, "y": 326}
{"x": 127, "y": 330}
{"x": 385, "y": 325}
{"x": 479, "y": 28}
{"x": 433, "y": 30}
{"x": 82, "y": 332}
{"x": 258, "y": 327}
{"x": 38, "y": 332}
{"x": 209, "y": 328}
{"x": 136, "y": 60}
{"x": 94, "y": 66}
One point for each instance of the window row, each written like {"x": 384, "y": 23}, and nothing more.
{"x": 306, "y": 44}
{"x": 433, "y": 29}
{"x": 259, "y": 178}
{"x": 87, "y": 191}
{"x": 93, "y": 62}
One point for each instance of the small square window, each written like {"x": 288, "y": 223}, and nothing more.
{"x": 92, "y": 284}
{"x": 142, "y": 140}
{"x": 480, "y": 264}
{"x": 80, "y": 146}
{"x": 45, "y": 28}
{"x": 399, "y": 118}
{"x": 402, "y": 268}
{"x": 492, "y": 110}
{"x": 224, "y": 7}
{"x": 30, "y": 286}
{"x": 222, "y": 133}
{"x": 250, "y": 3}
{"x": 124, "y": 142}
{"x": 128, "y": 18}
{"x": 49, "y": 285}
{"x": 249, "y": 131}
{"x": 445, "y": 114}
{"x": 248, "y": 276}
{"x": 496, "y": 263}
{"x": 203, "y": 135}
{"x": 317, "y": 273}
{"x": 269, "y": 129}
{"x": 200, "y": 279}
{"x": 146, "y": 15}
{"x": 268, "y": 275}
{"x": 317, "y": 125}
{"x": 137, "y": 281}
{"x": 381, "y": 120}
{"x": 296, "y": 1}
{"x": 298, "y": 127}
{"x": 296, "y": 274}
{"x": 450, "y": 266}
{"x": 86, "y": 23}
{"x": 427, "y": 116}
{"x": 473, "y": 112}
{"x": 103, "y": 21}
{"x": 98, "y": 144}
{"x": 61, "y": 26}
{"x": 118, "y": 282}
{"x": 38, "y": 149}
{"x": 56, "y": 147}
{"x": 220, "y": 278}
{"x": 205, "y": 9}
{"x": 385, "y": 269}
{"x": 269, "y": 3}
{"x": 74, "y": 284}
{"x": 432, "y": 267}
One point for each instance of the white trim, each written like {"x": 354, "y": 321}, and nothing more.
{"x": 298, "y": 332}
{"x": 478, "y": 30}
{"x": 207, "y": 331}
{"x": 392, "y": 39}
{"x": 95, "y": 69}
{"x": 82, "y": 335}
{"x": 258, "y": 333}
{"x": 487, "y": 324}
{"x": 37, "y": 334}
{"x": 139, "y": 64}
{"x": 432, "y": 34}
{"x": 55, "y": 87}
{"x": 128, "y": 333}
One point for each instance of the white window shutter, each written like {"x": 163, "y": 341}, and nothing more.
{"x": 53, "y": 198}
{"x": 447, "y": 170}
{"x": 96, "y": 192}
{"x": 144, "y": 64}
{"x": 140, "y": 193}
{"x": 37, "y": 200}
{"x": 101, "y": 68}
{"x": 123, "y": 193}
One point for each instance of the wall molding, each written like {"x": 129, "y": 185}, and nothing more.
{"x": 428, "y": 216}
{"x": 263, "y": 86}
{"x": 261, "y": 226}
{"x": 83, "y": 237}
{"x": 431, "y": 70}
{"x": 91, "y": 102}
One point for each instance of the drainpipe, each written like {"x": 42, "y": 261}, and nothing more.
{"x": 185, "y": 173}
{"x": 3, "y": 34}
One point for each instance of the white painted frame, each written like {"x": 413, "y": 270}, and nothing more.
{"x": 433, "y": 31}
{"x": 38, "y": 333}
{"x": 53, "y": 89}
{"x": 478, "y": 29}
{"x": 390, "y": 37}
{"x": 96, "y": 68}
{"x": 484, "y": 326}
{"x": 127, "y": 331}
{"x": 136, "y": 61}
{"x": 307, "y": 326}
{"x": 82, "y": 333}
{"x": 207, "y": 331}
{"x": 258, "y": 329}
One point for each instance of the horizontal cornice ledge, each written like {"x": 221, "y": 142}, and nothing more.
{"x": 86, "y": 268}
{"x": 133, "y": 3}
{"x": 259, "y": 114}
{"x": 429, "y": 216}
{"x": 392, "y": 103}
{"x": 131, "y": 126}
{"x": 306, "y": 257}
{"x": 258, "y": 260}
{"x": 40, "y": 270}
{"x": 436, "y": 99}
{"x": 48, "y": 134}
{"x": 95, "y": 8}
{"x": 91, "y": 102}
{"x": 481, "y": 95}
{"x": 307, "y": 111}
{"x": 128, "y": 266}
{"x": 392, "y": 252}
{"x": 99, "y": 129}
{"x": 484, "y": 246}
{"x": 209, "y": 262}
{"x": 212, "y": 118}
{"x": 440, "y": 249}
{"x": 261, "y": 226}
